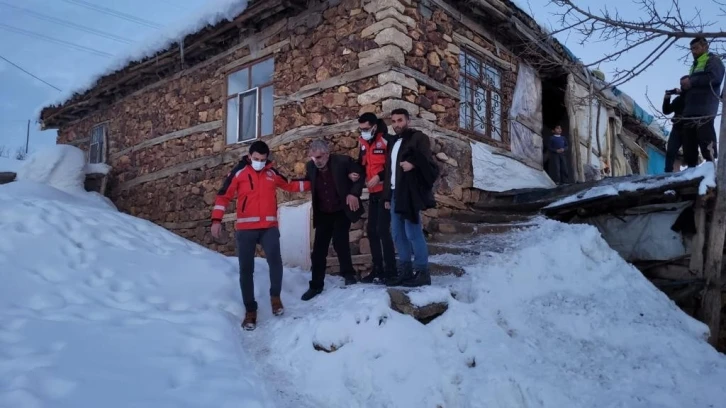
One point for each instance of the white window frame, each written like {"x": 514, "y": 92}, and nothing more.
{"x": 240, "y": 96}
{"x": 258, "y": 92}
{"x": 101, "y": 144}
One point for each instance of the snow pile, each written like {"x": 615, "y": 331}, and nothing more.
{"x": 558, "y": 320}
{"x": 64, "y": 168}
{"x": 100, "y": 309}
{"x": 706, "y": 171}
{"x": 59, "y": 166}
{"x": 213, "y": 12}
{"x": 9, "y": 165}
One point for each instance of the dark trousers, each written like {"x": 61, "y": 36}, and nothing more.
{"x": 335, "y": 226}
{"x": 558, "y": 167}
{"x": 699, "y": 133}
{"x": 379, "y": 235}
{"x": 247, "y": 240}
{"x": 675, "y": 140}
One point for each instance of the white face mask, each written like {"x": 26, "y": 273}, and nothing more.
{"x": 258, "y": 165}
{"x": 368, "y": 134}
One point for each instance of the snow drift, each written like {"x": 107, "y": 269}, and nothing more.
{"x": 98, "y": 308}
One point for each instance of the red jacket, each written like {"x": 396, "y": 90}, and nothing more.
{"x": 372, "y": 156}
{"x": 256, "y": 193}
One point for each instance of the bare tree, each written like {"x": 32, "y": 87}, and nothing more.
{"x": 4, "y": 151}
{"x": 658, "y": 28}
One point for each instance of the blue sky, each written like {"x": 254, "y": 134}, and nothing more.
{"x": 62, "y": 64}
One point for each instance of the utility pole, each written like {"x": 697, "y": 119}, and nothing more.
{"x": 27, "y": 138}
{"x": 711, "y": 303}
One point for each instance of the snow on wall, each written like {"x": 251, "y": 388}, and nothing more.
{"x": 500, "y": 173}
{"x": 213, "y": 12}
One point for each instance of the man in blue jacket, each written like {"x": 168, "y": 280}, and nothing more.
{"x": 701, "y": 103}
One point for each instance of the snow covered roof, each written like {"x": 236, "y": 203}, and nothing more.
{"x": 161, "y": 53}
{"x": 699, "y": 180}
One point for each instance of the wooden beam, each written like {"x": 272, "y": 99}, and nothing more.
{"x": 352, "y": 76}
{"x": 235, "y": 153}
{"x": 313, "y": 132}
{"x": 630, "y": 143}
{"x": 76, "y": 142}
{"x": 204, "y": 127}
{"x": 696, "y": 263}
{"x": 458, "y": 38}
{"x": 272, "y": 49}
{"x": 468, "y": 22}
{"x": 428, "y": 81}
{"x": 711, "y": 306}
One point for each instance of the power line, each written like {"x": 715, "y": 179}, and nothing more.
{"x": 23, "y": 69}
{"x": 114, "y": 13}
{"x": 67, "y": 23}
{"x": 55, "y": 40}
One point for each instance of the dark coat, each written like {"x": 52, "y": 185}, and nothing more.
{"x": 676, "y": 107}
{"x": 414, "y": 189}
{"x": 341, "y": 166}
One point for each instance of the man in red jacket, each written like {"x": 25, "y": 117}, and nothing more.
{"x": 372, "y": 156}
{"x": 254, "y": 182}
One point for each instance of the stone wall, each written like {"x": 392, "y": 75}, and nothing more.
{"x": 173, "y": 182}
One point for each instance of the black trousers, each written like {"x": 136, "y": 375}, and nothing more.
{"x": 379, "y": 235}
{"x": 335, "y": 226}
{"x": 558, "y": 167}
{"x": 675, "y": 140}
{"x": 699, "y": 133}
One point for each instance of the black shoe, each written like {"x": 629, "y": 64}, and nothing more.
{"x": 404, "y": 273}
{"x": 350, "y": 280}
{"x": 373, "y": 276}
{"x": 421, "y": 277}
{"x": 311, "y": 293}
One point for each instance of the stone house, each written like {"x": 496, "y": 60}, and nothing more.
{"x": 481, "y": 78}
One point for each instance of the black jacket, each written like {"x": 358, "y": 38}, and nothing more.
{"x": 341, "y": 166}
{"x": 675, "y": 107}
{"x": 414, "y": 189}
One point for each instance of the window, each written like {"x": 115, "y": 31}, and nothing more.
{"x": 480, "y": 87}
{"x": 250, "y": 102}
{"x": 96, "y": 152}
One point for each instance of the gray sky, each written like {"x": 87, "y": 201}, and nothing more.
{"x": 30, "y": 40}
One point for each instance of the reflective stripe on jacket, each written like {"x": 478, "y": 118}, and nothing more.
{"x": 256, "y": 194}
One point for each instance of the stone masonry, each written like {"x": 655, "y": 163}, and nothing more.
{"x": 174, "y": 182}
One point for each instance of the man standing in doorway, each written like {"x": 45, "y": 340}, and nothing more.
{"x": 410, "y": 176}
{"x": 374, "y": 143}
{"x": 701, "y": 103}
{"x": 254, "y": 182}
{"x": 336, "y": 204}
{"x": 558, "y": 162}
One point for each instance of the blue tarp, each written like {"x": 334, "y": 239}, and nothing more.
{"x": 656, "y": 161}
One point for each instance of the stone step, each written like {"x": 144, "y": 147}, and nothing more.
{"x": 490, "y": 217}
{"x": 450, "y": 227}
{"x": 362, "y": 264}
{"x": 436, "y": 248}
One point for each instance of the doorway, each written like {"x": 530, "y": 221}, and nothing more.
{"x": 554, "y": 112}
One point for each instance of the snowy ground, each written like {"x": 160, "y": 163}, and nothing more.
{"x": 98, "y": 308}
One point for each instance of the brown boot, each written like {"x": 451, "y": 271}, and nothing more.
{"x": 250, "y": 321}
{"x": 277, "y": 308}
